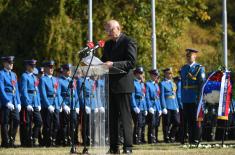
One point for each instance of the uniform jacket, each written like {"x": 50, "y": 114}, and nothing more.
{"x": 9, "y": 91}
{"x": 168, "y": 95}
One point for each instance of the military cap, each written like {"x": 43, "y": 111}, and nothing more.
{"x": 169, "y": 69}
{"x": 30, "y": 62}
{"x": 154, "y": 72}
{"x": 50, "y": 63}
{"x": 9, "y": 59}
{"x": 139, "y": 69}
{"x": 191, "y": 50}
{"x": 66, "y": 67}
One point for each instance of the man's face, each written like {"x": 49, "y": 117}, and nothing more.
{"x": 113, "y": 31}
{"x": 49, "y": 70}
{"x": 67, "y": 72}
{"x": 8, "y": 65}
{"x": 139, "y": 76}
{"x": 191, "y": 57}
{"x": 30, "y": 68}
{"x": 154, "y": 77}
{"x": 168, "y": 74}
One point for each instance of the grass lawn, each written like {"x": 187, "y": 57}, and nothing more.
{"x": 159, "y": 149}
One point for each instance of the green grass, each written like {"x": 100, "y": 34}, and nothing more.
{"x": 158, "y": 149}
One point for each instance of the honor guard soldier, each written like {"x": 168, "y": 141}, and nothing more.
{"x": 192, "y": 77}
{"x": 153, "y": 105}
{"x": 138, "y": 104}
{"x": 86, "y": 104}
{"x": 51, "y": 104}
{"x": 10, "y": 100}
{"x": 31, "y": 106}
{"x": 177, "y": 81}
{"x": 170, "y": 112}
{"x": 69, "y": 101}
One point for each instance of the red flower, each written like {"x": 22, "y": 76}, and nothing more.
{"x": 13, "y": 82}
{"x": 36, "y": 83}
{"x": 56, "y": 85}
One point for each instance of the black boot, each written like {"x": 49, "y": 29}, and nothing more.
{"x": 153, "y": 138}
{"x": 139, "y": 132}
{"x": 12, "y": 142}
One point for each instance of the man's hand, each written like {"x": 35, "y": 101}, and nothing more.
{"x": 109, "y": 64}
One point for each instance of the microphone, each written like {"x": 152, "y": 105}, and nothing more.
{"x": 89, "y": 46}
{"x": 98, "y": 45}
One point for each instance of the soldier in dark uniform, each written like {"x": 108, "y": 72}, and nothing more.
{"x": 10, "y": 99}
{"x": 192, "y": 78}
{"x": 51, "y": 104}
{"x": 31, "y": 106}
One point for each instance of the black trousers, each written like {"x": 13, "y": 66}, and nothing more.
{"x": 30, "y": 125}
{"x": 139, "y": 124}
{"x": 85, "y": 127}
{"x": 190, "y": 121}
{"x": 51, "y": 125}
{"x": 171, "y": 122}
{"x": 119, "y": 107}
{"x": 68, "y": 125}
{"x": 153, "y": 123}
{"x": 11, "y": 118}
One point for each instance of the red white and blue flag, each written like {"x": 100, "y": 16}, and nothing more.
{"x": 216, "y": 90}
{"x": 225, "y": 96}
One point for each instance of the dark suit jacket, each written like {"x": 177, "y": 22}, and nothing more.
{"x": 123, "y": 54}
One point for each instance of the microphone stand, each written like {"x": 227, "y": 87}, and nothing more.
{"x": 85, "y": 149}
{"x": 73, "y": 111}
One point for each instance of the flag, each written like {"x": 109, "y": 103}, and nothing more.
{"x": 225, "y": 96}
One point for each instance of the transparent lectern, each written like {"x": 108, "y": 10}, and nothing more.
{"x": 95, "y": 97}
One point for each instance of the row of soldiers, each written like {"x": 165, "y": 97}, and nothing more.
{"x": 169, "y": 100}
{"x": 175, "y": 100}
{"x": 43, "y": 100}
{"x": 40, "y": 99}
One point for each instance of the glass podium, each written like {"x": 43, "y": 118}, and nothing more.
{"x": 94, "y": 103}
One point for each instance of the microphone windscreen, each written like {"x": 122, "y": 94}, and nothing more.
{"x": 101, "y": 43}
{"x": 90, "y": 44}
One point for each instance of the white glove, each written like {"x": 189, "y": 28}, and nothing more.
{"x": 88, "y": 110}
{"x": 102, "y": 110}
{"x": 145, "y": 113}
{"x": 51, "y": 109}
{"x": 96, "y": 110}
{"x": 160, "y": 113}
{"x": 39, "y": 108}
{"x": 137, "y": 110}
{"x": 66, "y": 109}
{"x": 164, "y": 111}
{"x": 61, "y": 109}
{"x": 151, "y": 110}
{"x": 10, "y": 106}
{"x": 177, "y": 110}
{"x": 19, "y": 107}
{"x": 29, "y": 108}
{"x": 77, "y": 110}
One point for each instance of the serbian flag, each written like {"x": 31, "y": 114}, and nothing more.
{"x": 225, "y": 96}
{"x": 210, "y": 93}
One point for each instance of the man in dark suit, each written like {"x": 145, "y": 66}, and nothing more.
{"x": 120, "y": 51}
